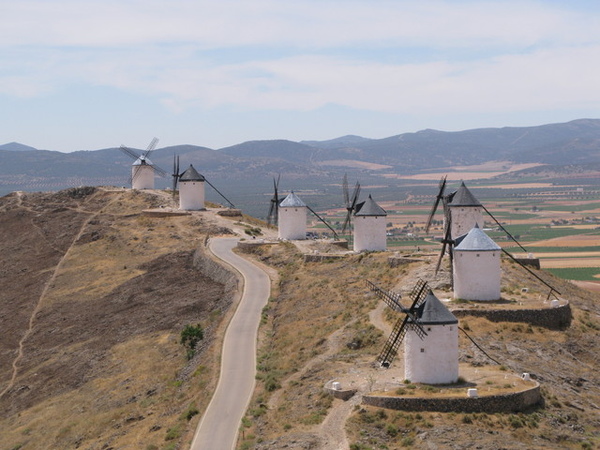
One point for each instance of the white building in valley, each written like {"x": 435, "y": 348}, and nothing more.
{"x": 369, "y": 227}
{"x": 191, "y": 190}
{"x": 291, "y": 218}
{"x": 476, "y": 267}
{"x": 433, "y": 359}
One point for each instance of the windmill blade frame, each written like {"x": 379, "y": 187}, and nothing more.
{"x": 322, "y": 220}
{"x": 150, "y": 148}
{"x": 391, "y": 346}
{"x": 129, "y": 152}
{"x": 345, "y": 190}
{"x": 272, "y": 217}
{"x": 231, "y": 205}
{"x": 504, "y": 229}
{"x": 175, "y": 173}
{"x": 390, "y": 298}
{"x": 409, "y": 321}
{"x": 439, "y": 197}
{"x": 351, "y": 206}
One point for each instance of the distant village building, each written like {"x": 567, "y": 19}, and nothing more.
{"x": 142, "y": 174}
{"x": 465, "y": 211}
{"x": 433, "y": 359}
{"x": 476, "y": 267}
{"x": 369, "y": 227}
{"x": 191, "y": 190}
{"x": 291, "y": 221}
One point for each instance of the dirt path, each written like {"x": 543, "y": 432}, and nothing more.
{"x": 38, "y": 306}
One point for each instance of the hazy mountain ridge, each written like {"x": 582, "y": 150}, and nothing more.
{"x": 245, "y": 170}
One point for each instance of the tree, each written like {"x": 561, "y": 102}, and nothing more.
{"x": 190, "y": 336}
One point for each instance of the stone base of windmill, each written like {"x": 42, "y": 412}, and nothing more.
{"x": 479, "y": 389}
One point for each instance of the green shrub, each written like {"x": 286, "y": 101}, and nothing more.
{"x": 190, "y": 336}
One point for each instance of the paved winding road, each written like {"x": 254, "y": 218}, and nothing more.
{"x": 220, "y": 424}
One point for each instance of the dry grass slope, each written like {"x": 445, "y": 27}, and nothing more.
{"x": 316, "y": 326}
{"x": 97, "y": 294}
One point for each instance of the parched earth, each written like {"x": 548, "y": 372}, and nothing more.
{"x": 94, "y": 295}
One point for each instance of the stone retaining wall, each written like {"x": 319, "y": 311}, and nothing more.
{"x": 248, "y": 246}
{"x": 514, "y": 402}
{"x": 553, "y": 318}
{"x": 312, "y": 257}
{"x": 532, "y": 262}
{"x": 396, "y": 261}
{"x": 215, "y": 271}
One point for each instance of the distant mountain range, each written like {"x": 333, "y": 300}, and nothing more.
{"x": 250, "y": 165}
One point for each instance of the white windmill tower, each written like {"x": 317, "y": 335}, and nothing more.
{"x": 430, "y": 334}
{"x": 461, "y": 210}
{"x": 191, "y": 190}
{"x": 465, "y": 210}
{"x": 290, "y": 215}
{"x": 142, "y": 169}
{"x": 476, "y": 267}
{"x": 291, "y": 218}
{"x": 369, "y": 227}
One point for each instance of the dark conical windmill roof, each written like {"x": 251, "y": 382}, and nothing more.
{"x": 142, "y": 161}
{"x": 463, "y": 197}
{"x": 475, "y": 241}
{"x": 191, "y": 174}
{"x": 369, "y": 208}
{"x": 433, "y": 312}
{"x": 292, "y": 201}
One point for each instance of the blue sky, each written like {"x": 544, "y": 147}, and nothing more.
{"x": 85, "y": 75}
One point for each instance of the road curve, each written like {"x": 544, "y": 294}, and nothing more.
{"x": 218, "y": 428}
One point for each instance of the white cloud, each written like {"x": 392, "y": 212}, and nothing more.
{"x": 301, "y": 24}
{"x": 401, "y": 57}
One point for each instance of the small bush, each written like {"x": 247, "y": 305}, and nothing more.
{"x": 173, "y": 433}
{"x": 190, "y": 336}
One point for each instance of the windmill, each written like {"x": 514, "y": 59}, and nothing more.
{"x": 409, "y": 321}
{"x": 292, "y": 224}
{"x": 462, "y": 204}
{"x": 369, "y": 232}
{"x": 350, "y": 201}
{"x": 143, "y": 170}
{"x": 430, "y": 335}
{"x": 274, "y": 208}
{"x": 194, "y": 194}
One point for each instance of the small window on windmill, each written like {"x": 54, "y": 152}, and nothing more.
{"x": 450, "y": 328}
{"x": 422, "y": 350}
{"x": 477, "y": 255}
{"x": 428, "y": 328}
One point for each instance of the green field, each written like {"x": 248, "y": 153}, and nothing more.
{"x": 577, "y": 273}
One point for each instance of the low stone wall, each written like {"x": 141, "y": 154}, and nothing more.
{"x": 230, "y": 212}
{"x": 250, "y": 245}
{"x": 553, "y": 318}
{"x": 342, "y": 394}
{"x": 515, "y": 402}
{"x": 532, "y": 262}
{"x": 314, "y": 257}
{"x": 164, "y": 213}
{"x": 397, "y": 261}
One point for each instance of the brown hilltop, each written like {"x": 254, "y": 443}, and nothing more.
{"x": 94, "y": 296}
